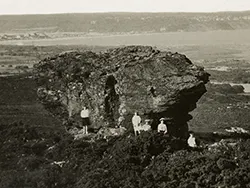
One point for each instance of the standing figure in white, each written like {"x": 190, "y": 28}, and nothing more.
{"x": 85, "y": 119}
{"x": 136, "y": 120}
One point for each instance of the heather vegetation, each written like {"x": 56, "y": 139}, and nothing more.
{"x": 36, "y": 150}
{"x": 223, "y": 106}
{"x": 32, "y": 157}
{"x": 239, "y": 75}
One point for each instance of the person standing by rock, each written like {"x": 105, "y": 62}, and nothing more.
{"x": 136, "y": 120}
{"x": 162, "y": 128}
{"x": 85, "y": 119}
{"x": 191, "y": 140}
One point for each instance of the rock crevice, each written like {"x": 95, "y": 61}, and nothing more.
{"x": 118, "y": 82}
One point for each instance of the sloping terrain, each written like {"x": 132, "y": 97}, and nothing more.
{"x": 47, "y": 156}
{"x": 37, "y": 158}
{"x": 222, "y": 107}
{"x": 125, "y": 22}
{"x": 18, "y": 102}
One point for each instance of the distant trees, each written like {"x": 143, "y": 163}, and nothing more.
{"x": 125, "y": 22}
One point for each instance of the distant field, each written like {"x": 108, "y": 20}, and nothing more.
{"x": 210, "y": 46}
{"x": 16, "y": 59}
{"x": 159, "y": 39}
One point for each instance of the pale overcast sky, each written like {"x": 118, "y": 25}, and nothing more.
{"x": 66, "y": 6}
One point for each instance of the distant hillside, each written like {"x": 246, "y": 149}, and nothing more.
{"x": 125, "y": 22}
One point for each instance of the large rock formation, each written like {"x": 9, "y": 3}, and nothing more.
{"x": 118, "y": 82}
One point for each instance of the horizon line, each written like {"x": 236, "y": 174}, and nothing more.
{"x": 124, "y": 12}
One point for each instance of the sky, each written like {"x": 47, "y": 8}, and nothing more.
{"x": 79, "y": 6}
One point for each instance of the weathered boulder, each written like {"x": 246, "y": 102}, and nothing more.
{"x": 118, "y": 82}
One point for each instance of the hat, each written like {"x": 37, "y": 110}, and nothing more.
{"x": 162, "y": 119}
{"x": 147, "y": 120}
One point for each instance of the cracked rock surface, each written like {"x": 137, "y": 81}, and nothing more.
{"x": 115, "y": 83}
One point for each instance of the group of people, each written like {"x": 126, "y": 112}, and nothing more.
{"x": 161, "y": 128}
{"x": 136, "y": 121}
{"x": 138, "y": 127}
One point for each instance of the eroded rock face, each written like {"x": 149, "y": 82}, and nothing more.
{"x": 118, "y": 82}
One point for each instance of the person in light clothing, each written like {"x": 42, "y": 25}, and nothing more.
{"x": 191, "y": 141}
{"x": 162, "y": 127}
{"x": 146, "y": 126}
{"x": 85, "y": 119}
{"x": 136, "y": 120}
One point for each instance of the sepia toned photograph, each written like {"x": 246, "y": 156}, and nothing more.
{"x": 124, "y": 94}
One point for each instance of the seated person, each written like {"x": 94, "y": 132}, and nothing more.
{"x": 191, "y": 140}
{"x": 146, "y": 126}
{"x": 162, "y": 127}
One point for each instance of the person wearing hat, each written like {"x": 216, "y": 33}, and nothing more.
{"x": 162, "y": 127}
{"x": 146, "y": 126}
